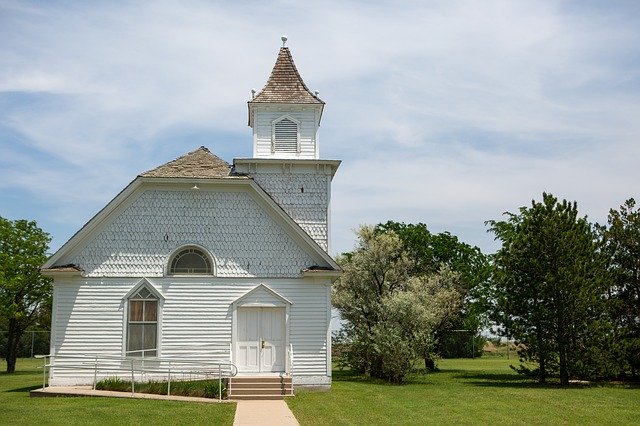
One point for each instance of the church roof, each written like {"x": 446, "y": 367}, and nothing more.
{"x": 285, "y": 84}
{"x": 200, "y": 163}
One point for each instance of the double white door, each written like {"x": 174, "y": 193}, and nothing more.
{"x": 260, "y": 346}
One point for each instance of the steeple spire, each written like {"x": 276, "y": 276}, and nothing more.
{"x": 285, "y": 86}
{"x": 285, "y": 115}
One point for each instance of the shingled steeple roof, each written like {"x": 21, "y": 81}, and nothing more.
{"x": 285, "y": 84}
{"x": 200, "y": 163}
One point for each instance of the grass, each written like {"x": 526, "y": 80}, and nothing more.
{"x": 465, "y": 391}
{"x": 17, "y": 408}
{"x": 480, "y": 391}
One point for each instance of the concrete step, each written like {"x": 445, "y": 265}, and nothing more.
{"x": 261, "y": 379}
{"x": 257, "y": 397}
{"x": 261, "y": 391}
{"x": 260, "y": 387}
{"x": 247, "y": 385}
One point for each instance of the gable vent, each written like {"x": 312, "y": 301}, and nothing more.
{"x": 285, "y": 136}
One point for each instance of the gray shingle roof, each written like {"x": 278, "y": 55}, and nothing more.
{"x": 200, "y": 163}
{"x": 285, "y": 84}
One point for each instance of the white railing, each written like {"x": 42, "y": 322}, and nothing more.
{"x": 290, "y": 358}
{"x": 166, "y": 368}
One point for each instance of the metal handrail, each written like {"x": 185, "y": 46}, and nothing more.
{"x": 109, "y": 363}
{"x": 290, "y": 358}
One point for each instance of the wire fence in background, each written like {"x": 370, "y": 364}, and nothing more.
{"x": 31, "y": 343}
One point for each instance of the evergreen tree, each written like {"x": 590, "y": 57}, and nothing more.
{"x": 548, "y": 292}
{"x": 621, "y": 245}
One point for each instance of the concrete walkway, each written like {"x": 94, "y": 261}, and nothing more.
{"x": 263, "y": 413}
{"x": 267, "y": 412}
{"x": 88, "y": 391}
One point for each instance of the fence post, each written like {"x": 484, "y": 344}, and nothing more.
{"x": 219, "y": 383}
{"x": 33, "y": 336}
{"x": 133, "y": 386}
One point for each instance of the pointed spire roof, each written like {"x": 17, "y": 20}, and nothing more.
{"x": 285, "y": 84}
{"x": 200, "y": 163}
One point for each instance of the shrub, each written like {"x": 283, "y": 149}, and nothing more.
{"x": 114, "y": 384}
{"x": 194, "y": 388}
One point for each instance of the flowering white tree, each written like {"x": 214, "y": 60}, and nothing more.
{"x": 391, "y": 316}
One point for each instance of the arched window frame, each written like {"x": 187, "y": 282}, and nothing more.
{"x": 169, "y": 270}
{"x": 274, "y": 127}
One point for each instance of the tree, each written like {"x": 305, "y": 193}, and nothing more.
{"x": 24, "y": 292}
{"x": 621, "y": 246}
{"x": 390, "y": 314}
{"x": 548, "y": 292}
{"x": 428, "y": 253}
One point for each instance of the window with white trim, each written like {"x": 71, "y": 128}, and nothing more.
{"x": 190, "y": 260}
{"x": 142, "y": 324}
{"x": 285, "y": 136}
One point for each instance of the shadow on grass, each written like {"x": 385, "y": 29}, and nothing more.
{"x": 347, "y": 375}
{"x": 500, "y": 380}
{"x": 24, "y": 389}
{"x": 20, "y": 373}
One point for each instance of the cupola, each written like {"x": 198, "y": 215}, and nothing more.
{"x": 285, "y": 115}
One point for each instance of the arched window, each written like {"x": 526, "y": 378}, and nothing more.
{"x": 190, "y": 260}
{"x": 142, "y": 324}
{"x": 285, "y": 136}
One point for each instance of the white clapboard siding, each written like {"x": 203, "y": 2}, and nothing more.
{"x": 263, "y": 128}
{"x": 196, "y": 320}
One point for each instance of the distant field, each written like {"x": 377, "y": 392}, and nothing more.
{"x": 465, "y": 391}
{"x": 17, "y": 408}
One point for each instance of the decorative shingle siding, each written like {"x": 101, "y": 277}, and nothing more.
{"x": 243, "y": 239}
{"x": 304, "y": 196}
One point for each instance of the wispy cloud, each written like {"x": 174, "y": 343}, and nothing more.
{"x": 445, "y": 112}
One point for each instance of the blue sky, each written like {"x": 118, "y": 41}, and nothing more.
{"x": 443, "y": 112}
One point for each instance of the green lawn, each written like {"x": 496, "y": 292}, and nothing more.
{"x": 480, "y": 391}
{"x": 17, "y": 408}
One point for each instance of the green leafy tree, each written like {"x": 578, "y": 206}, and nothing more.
{"x": 548, "y": 292}
{"x": 24, "y": 293}
{"x": 621, "y": 246}
{"x": 428, "y": 253}
{"x": 391, "y": 315}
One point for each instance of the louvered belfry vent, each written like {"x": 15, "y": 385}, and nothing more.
{"x": 285, "y": 136}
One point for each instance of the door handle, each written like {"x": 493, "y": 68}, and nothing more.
{"x": 262, "y": 343}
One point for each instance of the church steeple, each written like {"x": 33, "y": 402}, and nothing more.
{"x": 285, "y": 118}
{"x": 285, "y": 115}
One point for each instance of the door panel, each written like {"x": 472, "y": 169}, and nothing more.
{"x": 260, "y": 346}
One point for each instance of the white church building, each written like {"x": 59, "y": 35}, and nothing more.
{"x": 199, "y": 259}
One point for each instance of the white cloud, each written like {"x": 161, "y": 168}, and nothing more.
{"x": 445, "y": 112}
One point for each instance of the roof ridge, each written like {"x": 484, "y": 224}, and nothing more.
{"x": 199, "y": 163}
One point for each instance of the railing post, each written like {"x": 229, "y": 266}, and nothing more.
{"x": 219, "y": 382}
{"x": 95, "y": 372}
{"x": 169, "y": 381}
{"x": 133, "y": 386}
{"x": 44, "y": 372}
